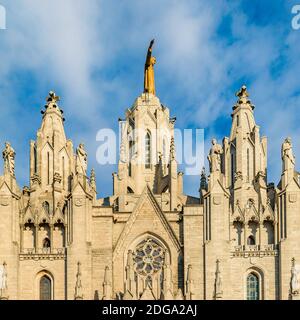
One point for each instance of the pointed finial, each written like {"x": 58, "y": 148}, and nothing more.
{"x": 243, "y": 95}
{"x": 218, "y": 281}
{"x": 52, "y": 97}
{"x": 172, "y": 149}
{"x": 78, "y": 286}
{"x": 189, "y": 273}
{"x": 203, "y": 174}
{"x": 93, "y": 176}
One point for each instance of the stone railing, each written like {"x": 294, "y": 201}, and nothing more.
{"x": 43, "y": 253}
{"x": 255, "y": 250}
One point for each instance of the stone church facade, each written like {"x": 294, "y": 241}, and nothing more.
{"x": 239, "y": 240}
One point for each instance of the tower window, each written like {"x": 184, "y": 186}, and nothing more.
{"x": 237, "y": 120}
{"x": 46, "y": 207}
{"x": 35, "y": 159}
{"x": 248, "y": 166}
{"x": 46, "y": 243}
{"x": 45, "y": 288}
{"x": 252, "y": 287}
{"x": 48, "y": 168}
{"x": 251, "y": 241}
{"x": 148, "y": 151}
{"x": 63, "y": 172}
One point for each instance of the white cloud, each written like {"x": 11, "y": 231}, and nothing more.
{"x": 92, "y": 53}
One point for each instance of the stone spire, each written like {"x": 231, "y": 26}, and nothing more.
{"x": 189, "y": 283}
{"x": 78, "y": 286}
{"x": 51, "y": 153}
{"x": 53, "y": 116}
{"x": 288, "y": 161}
{"x": 203, "y": 181}
{"x": 93, "y": 179}
{"x": 218, "y": 281}
{"x": 130, "y": 281}
{"x": 167, "y": 278}
{"x": 173, "y": 173}
{"x": 203, "y": 184}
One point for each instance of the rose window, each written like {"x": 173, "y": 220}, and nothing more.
{"x": 148, "y": 257}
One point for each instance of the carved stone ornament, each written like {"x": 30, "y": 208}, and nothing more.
{"x": 292, "y": 198}
{"x": 78, "y": 202}
{"x": 217, "y": 200}
{"x": 4, "y": 201}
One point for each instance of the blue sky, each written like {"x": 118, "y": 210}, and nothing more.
{"x": 92, "y": 54}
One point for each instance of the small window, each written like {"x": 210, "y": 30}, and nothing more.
{"x": 252, "y": 287}
{"x": 251, "y": 241}
{"x": 147, "y": 151}
{"x": 46, "y": 243}
{"x": 46, "y": 207}
{"x": 129, "y": 190}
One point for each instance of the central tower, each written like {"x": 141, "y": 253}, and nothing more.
{"x": 147, "y": 150}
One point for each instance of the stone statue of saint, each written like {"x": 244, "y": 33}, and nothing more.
{"x": 81, "y": 159}
{"x": 9, "y": 159}
{"x": 287, "y": 155}
{"x": 3, "y": 280}
{"x": 214, "y": 156}
{"x": 295, "y": 285}
{"x": 149, "y": 84}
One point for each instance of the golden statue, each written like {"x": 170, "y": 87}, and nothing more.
{"x": 149, "y": 84}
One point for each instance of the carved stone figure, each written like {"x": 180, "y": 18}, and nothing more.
{"x": 295, "y": 285}
{"x": 9, "y": 159}
{"x": 214, "y": 156}
{"x": 3, "y": 280}
{"x": 149, "y": 84}
{"x": 287, "y": 155}
{"x": 81, "y": 159}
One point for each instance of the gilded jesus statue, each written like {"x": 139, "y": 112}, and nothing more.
{"x": 149, "y": 84}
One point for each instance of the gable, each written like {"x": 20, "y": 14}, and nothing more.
{"x": 146, "y": 218}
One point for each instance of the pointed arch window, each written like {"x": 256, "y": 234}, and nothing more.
{"x": 35, "y": 158}
{"x": 48, "y": 168}
{"x": 147, "y": 151}
{"x": 63, "y": 172}
{"x": 46, "y": 207}
{"x": 248, "y": 165}
{"x": 46, "y": 243}
{"x": 253, "y": 289}
{"x": 45, "y": 288}
{"x": 251, "y": 241}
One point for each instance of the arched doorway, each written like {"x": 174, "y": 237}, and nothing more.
{"x": 45, "y": 288}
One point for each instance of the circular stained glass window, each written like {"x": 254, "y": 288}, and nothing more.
{"x": 148, "y": 257}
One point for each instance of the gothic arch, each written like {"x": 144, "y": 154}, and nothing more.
{"x": 259, "y": 274}
{"x": 44, "y": 274}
